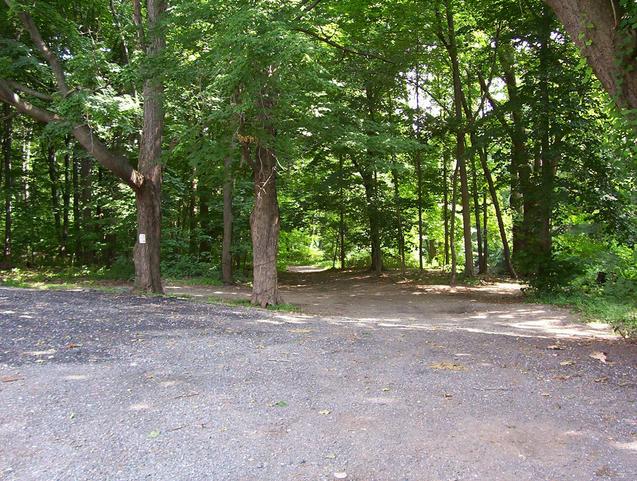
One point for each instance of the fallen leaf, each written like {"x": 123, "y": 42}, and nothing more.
{"x": 280, "y": 404}
{"x": 330, "y": 456}
{"x": 342, "y": 475}
{"x": 562, "y": 377}
{"x": 448, "y": 366}
{"x": 601, "y": 379}
{"x": 545, "y": 394}
{"x": 386, "y": 389}
{"x": 10, "y": 378}
{"x": 153, "y": 434}
{"x": 554, "y": 347}
{"x": 568, "y": 362}
{"x": 447, "y": 395}
{"x": 599, "y": 355}
{"x": 325, "y": 412}
{"x": 73, "y": 346}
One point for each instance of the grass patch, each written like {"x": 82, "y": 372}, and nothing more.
{"x": 619, "y": 313}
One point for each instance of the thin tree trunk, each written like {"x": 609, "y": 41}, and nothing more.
{"x": 485, "y": 236}
{"x": 8, "y": 181}
{"x": 341, "y": 220}
{"x": 419, "y": 170}
{"x": 498, "y": 213}
{"x": 460, "y": 141}
{"x": 226, "y": 248}
{"x": 77, "y": 221}
{"x": 452, "y": 233}
{"x": 445, "y": 210}
{"x": 87, "y": 223}
{"x": 399, "y": 221}
{"x": 66, "y": 197}
{"x": 55, "y": 197}
{"x": 476, "y": 209}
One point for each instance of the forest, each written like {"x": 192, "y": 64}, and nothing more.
{"x": 228, "y": 140}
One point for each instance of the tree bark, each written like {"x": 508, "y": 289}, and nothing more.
{"x": 341, "y": 217}
{"x": 452, "y": 233}
{"x": 55, "y": 196}
{"x": 226, "y": 248}
{"x": 265, "y": 227}
{"x": 452, "y": 49}
{"x": 445, "y": 209}
{"x": 399, "y": 223}
{"x": 147, "y": 250}
{"x": 476, "y": 210}
{"x": 8, "y": 181}
{"x": 66, "y": 197}
{"x": 594, "y": 26}
{"x": 498, "y": 213}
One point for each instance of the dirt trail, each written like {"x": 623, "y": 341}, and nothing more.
{"x": 392, "y": 301}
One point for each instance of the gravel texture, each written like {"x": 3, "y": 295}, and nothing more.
{"x": 97, "y": 386}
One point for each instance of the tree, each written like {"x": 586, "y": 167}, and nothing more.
{"x": 145, "y": 180}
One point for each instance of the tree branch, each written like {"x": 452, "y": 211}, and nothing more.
{"x": 117, "y": 164}
{"x": 27, "y": 90}
{"x": 50, "y": 56}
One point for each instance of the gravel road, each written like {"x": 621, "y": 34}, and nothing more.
{"x": 98, "y": 386}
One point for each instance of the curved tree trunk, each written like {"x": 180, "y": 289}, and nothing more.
{"x": 265, "y": 227}
{"x": 594, "y": 27}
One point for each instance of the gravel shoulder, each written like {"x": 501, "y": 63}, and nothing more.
{"x": 97, "y": 386}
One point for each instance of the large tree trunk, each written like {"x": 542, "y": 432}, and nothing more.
{"x": 594, "y": 26}
{"x": 148, "y": 195}
{"x": 265, "y": 227}
{"x": 147, "y": 249}
{"x": 8, "y": 181}
{"x": 226, "y": 247}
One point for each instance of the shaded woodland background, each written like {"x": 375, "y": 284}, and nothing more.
{"x": 470, "y": 136}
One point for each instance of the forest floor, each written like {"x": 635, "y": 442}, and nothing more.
{"x": 375, "y": 380}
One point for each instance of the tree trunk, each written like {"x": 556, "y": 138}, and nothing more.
{"x": 226, "y": 248}
{"x": 374, "y": 227}
{"x": 341, "y": 219}
{"x": 8, "y": 181}
{"x": 146, "y": 254}
{"x": 399, "y": 222}
{"x": 460, "y": 142}
{"x": 485, "y": 236}
{"x": 66, "y": 197}
{"x": 76, "y": 207}
{"x": 452, "y": 233}
{"x": 445, "y": 209}
{"x": 87, "y": 222}
{"x": 147, "y": 248}
{"x": 419, "y": 171}
{"x": 55, "y": 197}
{"x": 594, "y": 26}
{"x": 265, "y": 227}
{"x": 476, "y": 210}
{"x": 498, "y": 213}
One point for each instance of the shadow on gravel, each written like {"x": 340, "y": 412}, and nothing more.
{"x": 88, "y": 326}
